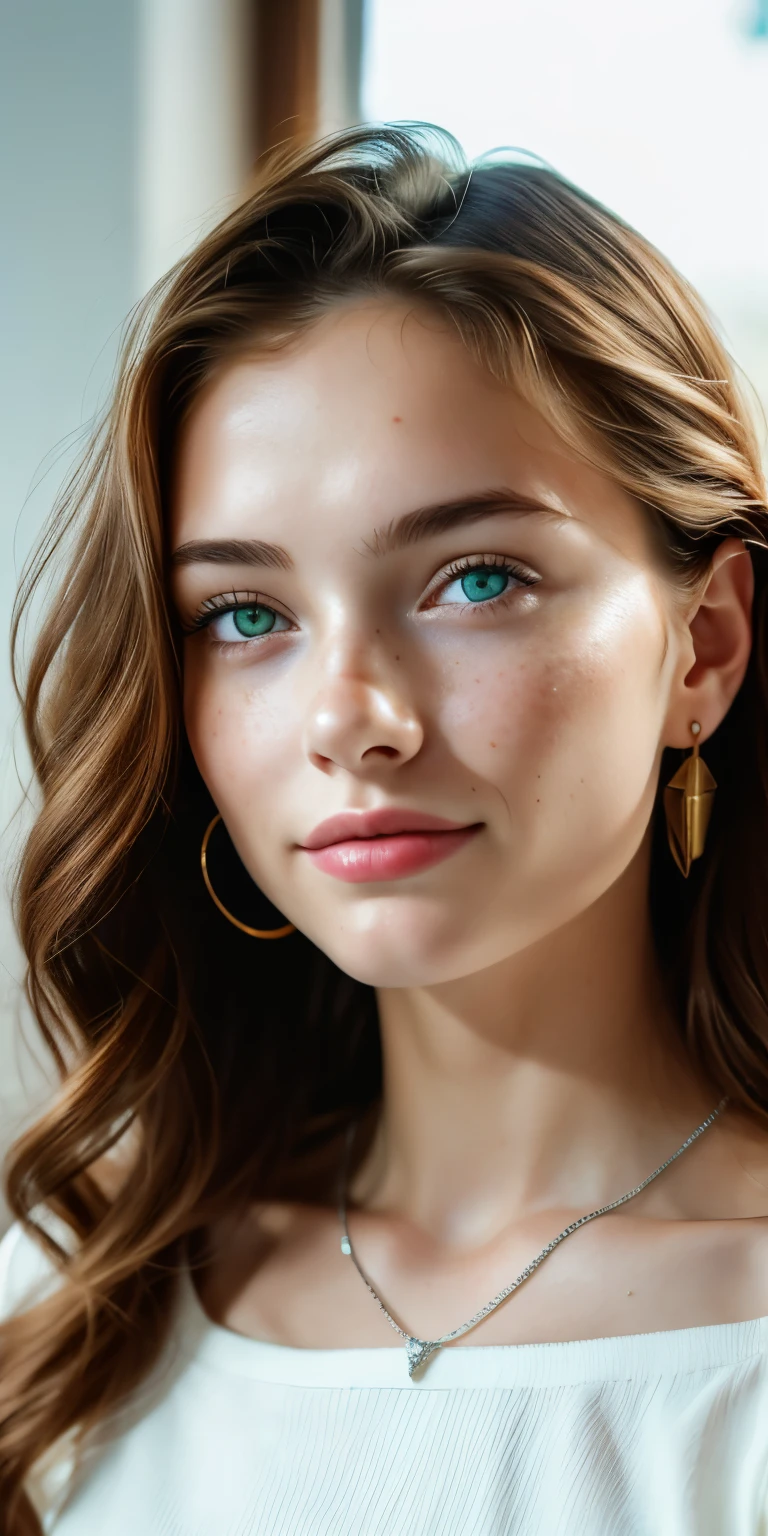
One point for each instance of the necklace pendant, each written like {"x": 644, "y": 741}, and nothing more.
{"x": 418, "y": 1350}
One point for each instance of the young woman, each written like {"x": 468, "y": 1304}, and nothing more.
{"x": 398, "y": 901}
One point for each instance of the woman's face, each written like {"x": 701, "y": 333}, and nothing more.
{"x": 412, "y": 599}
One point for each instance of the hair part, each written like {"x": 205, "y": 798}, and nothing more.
{"x": 142, "y": 992}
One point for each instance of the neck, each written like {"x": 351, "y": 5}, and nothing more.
{"x": 555, "y": 1079}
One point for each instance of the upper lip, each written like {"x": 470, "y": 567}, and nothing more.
{"x": 357, "y": 824}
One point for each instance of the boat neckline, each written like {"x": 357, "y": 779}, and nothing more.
{"x": 664, "y": 1352}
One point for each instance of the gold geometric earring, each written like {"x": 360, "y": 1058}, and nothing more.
{"x": 688, "y": 801}
{"x": 255, "y": 933}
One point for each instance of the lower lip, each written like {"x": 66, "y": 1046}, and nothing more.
{"x": 367, "y": 859}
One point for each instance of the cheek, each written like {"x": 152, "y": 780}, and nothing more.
{"x": 571, "y": 717}
{"x": 240, "y": 742}
{"x": 605, "y": 709}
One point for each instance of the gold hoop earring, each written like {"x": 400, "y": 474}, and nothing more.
{"x": 254, "y": 933}
{"x": 688, "y": 801}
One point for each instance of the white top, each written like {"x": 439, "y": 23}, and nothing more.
{"x": 658, "y": 1434}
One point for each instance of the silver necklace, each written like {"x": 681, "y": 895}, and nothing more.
{"x": 419, "y": 1350}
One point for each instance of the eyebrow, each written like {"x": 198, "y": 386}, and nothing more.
{"x": 423, "y": 523}
{"x": 427, "y": 522}
{"x": 232, "y": 552}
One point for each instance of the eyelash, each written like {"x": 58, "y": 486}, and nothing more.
{"x": 470, "y": 563}
{"x": 214, "y": 607}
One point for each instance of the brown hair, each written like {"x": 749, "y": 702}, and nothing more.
{"x": 142, "y": 991}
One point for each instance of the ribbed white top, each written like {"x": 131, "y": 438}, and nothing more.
{"x": 661, "y": 1434}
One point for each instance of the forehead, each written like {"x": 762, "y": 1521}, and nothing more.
{"x": 375, "y": 408}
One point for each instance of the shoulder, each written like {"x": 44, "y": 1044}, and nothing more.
{"x": 753, "y": 1272}
{"x": 264, "y": 1265}
{"x": 733, "y": 1247}
{"x": 743, "y": 1197}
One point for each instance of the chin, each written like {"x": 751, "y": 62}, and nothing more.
{"x": 401, "y": 951}
{"x": 383, "y": 970}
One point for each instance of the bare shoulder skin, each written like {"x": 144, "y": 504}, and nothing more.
{"x": 461, "y": 619}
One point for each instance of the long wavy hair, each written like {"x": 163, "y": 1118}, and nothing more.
{"x": 231, "y": 1069}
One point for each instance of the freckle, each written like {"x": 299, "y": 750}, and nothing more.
{"x": 397, "y": 658}
{"x": 538, "y": 802}
{"x": 491, "y": 743}
{"x": 474, "y": 791}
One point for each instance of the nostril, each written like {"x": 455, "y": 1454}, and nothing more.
{"x": 319, "y": 761}
{"x": 383, "y": 751}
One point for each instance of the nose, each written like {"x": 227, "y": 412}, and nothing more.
{"x": 356, "y": 723}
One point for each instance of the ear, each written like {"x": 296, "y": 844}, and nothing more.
{"x": 719, "y": 636}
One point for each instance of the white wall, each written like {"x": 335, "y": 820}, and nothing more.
{"x": 67, "y": 280}
{"x": 658, "y": 109}
{"x": 194, "y": 122}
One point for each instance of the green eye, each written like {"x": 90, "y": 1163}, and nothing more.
{"x": 253, "y": 621}
{"x": 484, "y": 583}
{"x": 248, "y": 621}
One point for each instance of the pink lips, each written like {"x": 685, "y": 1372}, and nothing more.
{"x": 360, "y": 846}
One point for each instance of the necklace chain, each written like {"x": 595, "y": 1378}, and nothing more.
{"x": 419, "y": 1349}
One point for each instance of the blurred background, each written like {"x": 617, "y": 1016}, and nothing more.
{"x": 128, "y": 127}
